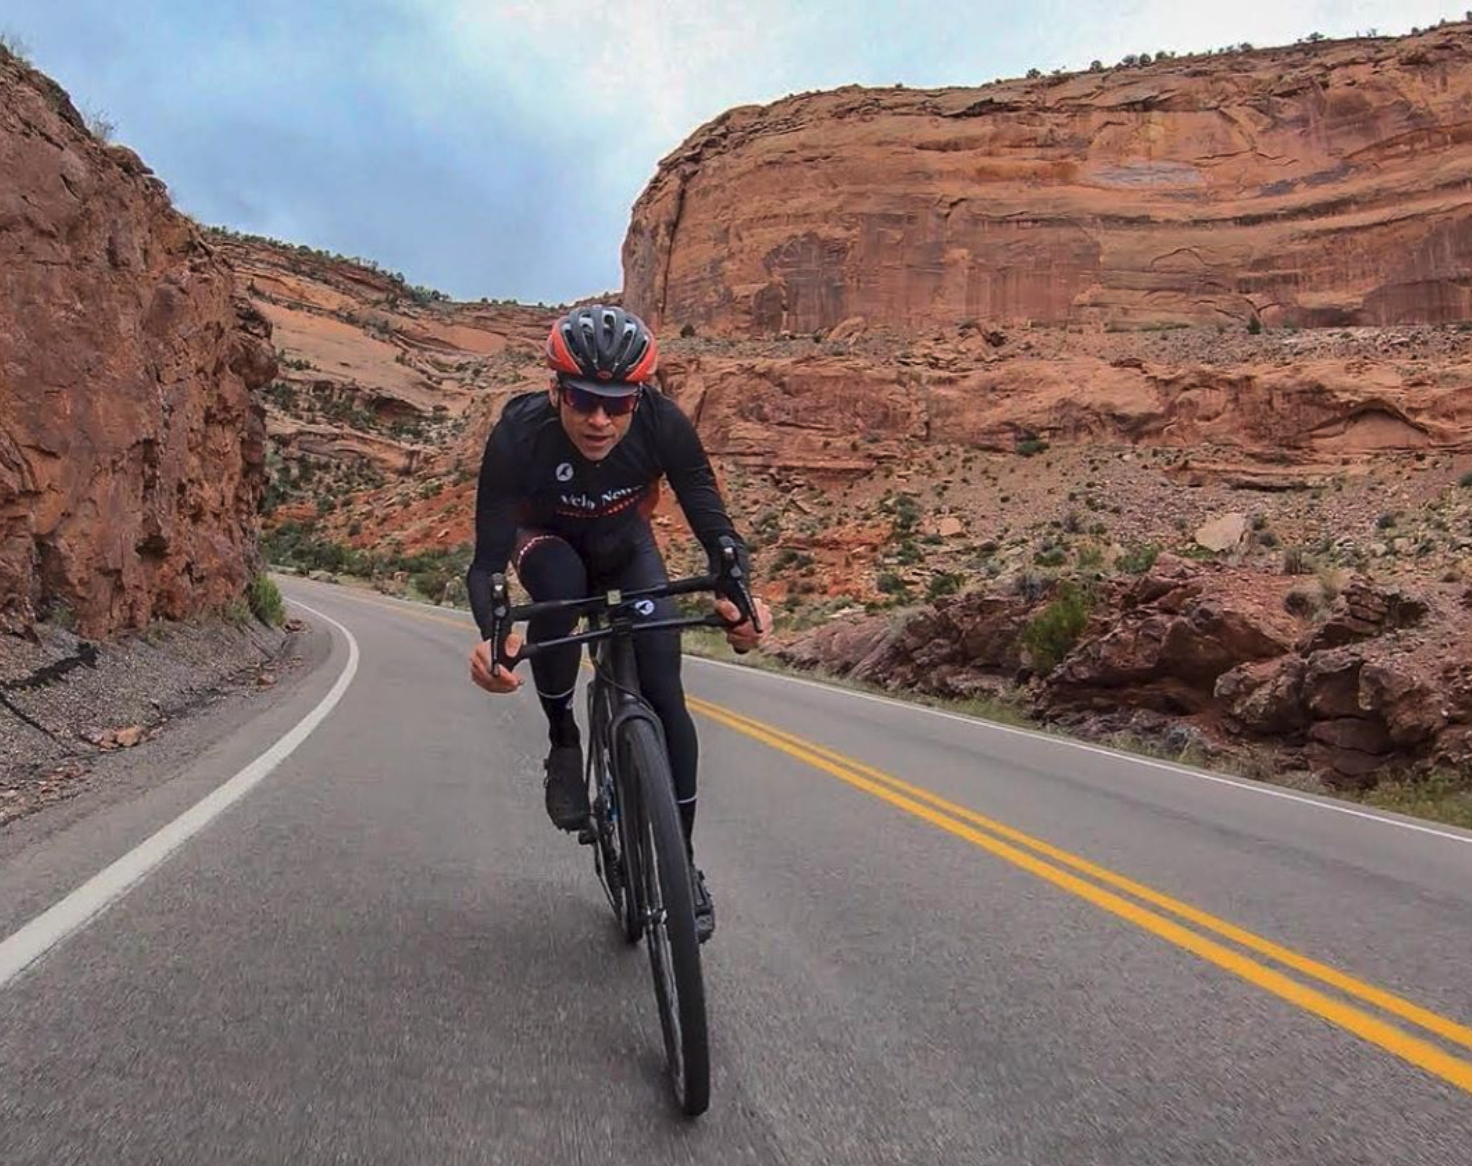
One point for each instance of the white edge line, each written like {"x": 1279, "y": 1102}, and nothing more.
{"x": 1132, "y": 758}
{"x": 22, "y": 948}
{"x": 1060, "y": 741}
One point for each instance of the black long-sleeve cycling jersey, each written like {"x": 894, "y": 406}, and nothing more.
{"x": 533, "y": 477}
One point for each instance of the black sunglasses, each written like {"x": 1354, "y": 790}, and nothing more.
{"x": 584, "y": 401}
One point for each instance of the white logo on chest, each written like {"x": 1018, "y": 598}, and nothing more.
{"x": 564, "y": 472}
{"x": 602, "y": 502}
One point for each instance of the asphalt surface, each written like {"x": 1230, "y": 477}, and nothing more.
{"x": 383, "y": 952}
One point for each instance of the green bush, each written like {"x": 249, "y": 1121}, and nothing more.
{"x": 431, "y": 572}
{"x": 1051, "y": 634}
{"x": 264, "y": 600}
{"x": 1297, "y": 562}
{"x": 16, "y": 47}
{"x": 294, "y": 545}
{"x": 906, "y": 513}
{"x": 1029, "y": 586}
{"x": 1303, "y": 601}
{"x": 945, "y": 584}
{"x": 1138, "y": 560}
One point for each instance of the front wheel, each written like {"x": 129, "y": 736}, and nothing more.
{"x": 611, "y": 855}
{"x": 663, "y": 871}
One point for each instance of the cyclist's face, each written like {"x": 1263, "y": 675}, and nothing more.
{"x": 594, "y": 434}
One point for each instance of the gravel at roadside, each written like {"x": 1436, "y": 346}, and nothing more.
{"x": 64, "y": 702}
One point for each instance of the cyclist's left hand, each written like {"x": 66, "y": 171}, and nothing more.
{"x": 741, "y": 635}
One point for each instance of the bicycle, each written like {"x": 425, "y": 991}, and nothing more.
{"x": 639, "y": 852}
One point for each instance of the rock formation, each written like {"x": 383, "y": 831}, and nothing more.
{"x": 1322, "y": 184}
{"x": 131, "y": 448}
{"x": 964, "y": 401}
{"x": 1324, "y": 412}
{"x": 1382, "y": 674}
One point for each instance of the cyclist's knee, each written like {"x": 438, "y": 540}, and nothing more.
{"x": 549, "y": 568}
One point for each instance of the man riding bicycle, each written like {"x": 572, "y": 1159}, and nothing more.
{"x": 568, "y": 482}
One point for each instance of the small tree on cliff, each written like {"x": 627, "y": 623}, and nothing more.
{"x": 99, "y": 125}
{"x": 13, "y": 46}
{"x": 1051, "y": 634}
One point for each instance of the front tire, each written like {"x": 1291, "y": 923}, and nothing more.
{"x": 663, "y": 868}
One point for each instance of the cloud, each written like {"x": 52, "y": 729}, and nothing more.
{"x": 496, "y": 147}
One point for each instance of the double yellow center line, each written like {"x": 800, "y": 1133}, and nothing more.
{"x": 1164, "y": 916}
{"x": 1028, "y": 853}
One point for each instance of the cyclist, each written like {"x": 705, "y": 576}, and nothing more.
{"x": 568, "y": 481}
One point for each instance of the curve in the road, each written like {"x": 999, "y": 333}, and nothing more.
{"x": 80, "y": 907}
{"x": 1003, "y": 841}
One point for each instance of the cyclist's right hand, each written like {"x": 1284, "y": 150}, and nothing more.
{"x": 495, "y": 678}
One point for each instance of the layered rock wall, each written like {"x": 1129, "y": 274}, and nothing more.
{"x": 131, "y": 448}
{"x": 1325, "y": 184}
{"x": 843, "y": 415}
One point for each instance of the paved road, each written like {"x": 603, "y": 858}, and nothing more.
{"x": 939, "y": 942}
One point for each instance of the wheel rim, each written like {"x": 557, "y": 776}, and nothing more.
{"x": 656, "y": 935}
{"x": 608, "y": 859}
{"x": 609, "y": 852}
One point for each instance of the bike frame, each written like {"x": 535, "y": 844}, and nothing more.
{"x": 614, "y": 606}
{"x": 612, "y": 619}
{"x": 652, "y": 897}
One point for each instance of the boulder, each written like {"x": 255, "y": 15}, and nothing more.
{"x": 1222, "y": 534}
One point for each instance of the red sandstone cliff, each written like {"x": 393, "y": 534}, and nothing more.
{"x": 131, "y": 449}
{"x": 1323, "y": 184}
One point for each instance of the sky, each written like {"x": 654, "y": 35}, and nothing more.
{"x": 496, "y": 147}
